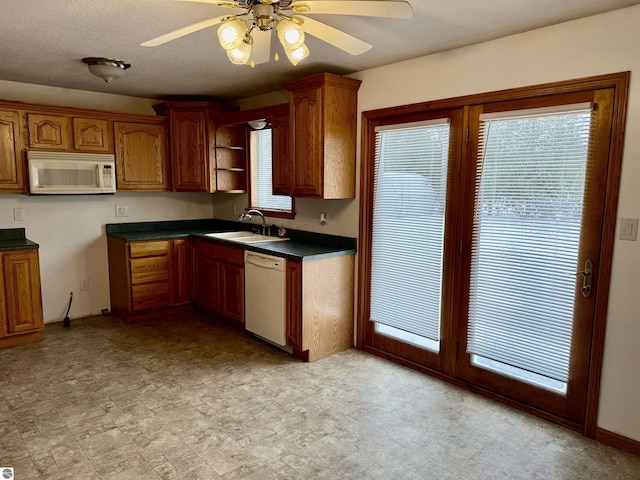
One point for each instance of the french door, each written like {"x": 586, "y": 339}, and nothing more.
{"x": 482, "y": 241}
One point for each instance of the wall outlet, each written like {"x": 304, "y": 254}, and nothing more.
{"x": 18, "y": 214}
{"x": 122, "y": 210}
{"x": 84, "y": 284}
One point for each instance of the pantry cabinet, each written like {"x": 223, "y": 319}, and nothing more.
{"x": 21, "y": 319}
{"x": 319, "y": 312}
{"x": 323, "y": 118}
{"x": 12, "y": 159}
{"x": 141, "y": 156}
{"x": 221, "y": 280}
{"x": 148, "y": 278}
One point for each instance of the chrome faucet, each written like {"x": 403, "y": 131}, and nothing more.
{"x": 246, "y": 217}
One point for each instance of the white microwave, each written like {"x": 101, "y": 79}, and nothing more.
{"x": 71, "y": 173}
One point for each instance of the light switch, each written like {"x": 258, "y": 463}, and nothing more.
{"x": 629, "y": 229}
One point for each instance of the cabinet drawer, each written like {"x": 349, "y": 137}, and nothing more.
{"x": 149, "y": 269}
{"x": 150, "y": 295}
{"x": 148, "y": 249}
{"x": 222, "y": 252}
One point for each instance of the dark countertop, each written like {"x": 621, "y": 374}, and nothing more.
{"x": 301, "y": 245}
{"x": 14, "y": 239}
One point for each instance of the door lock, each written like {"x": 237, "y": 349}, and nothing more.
{"x": 586, "y": 278}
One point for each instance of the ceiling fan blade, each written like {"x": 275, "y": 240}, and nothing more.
{"x": 261, "y": 46}
{"x": 380, "y": 8}
{"x": 181, "y": 32}
{"x": 335, "y": 37}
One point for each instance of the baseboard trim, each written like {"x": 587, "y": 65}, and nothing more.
{"x": 619, "y": 441}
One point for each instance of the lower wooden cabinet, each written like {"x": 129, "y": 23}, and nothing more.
{"x": 320, "y": 306}
{"x": 21, "y": 319}
{"x": 148, "y": 277}
{"x": 221, "y": 280}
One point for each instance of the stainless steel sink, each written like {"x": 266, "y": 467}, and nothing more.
{"x": 245, "y": 237}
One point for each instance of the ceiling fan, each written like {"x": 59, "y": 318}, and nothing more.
{"x": 247, "y": 35}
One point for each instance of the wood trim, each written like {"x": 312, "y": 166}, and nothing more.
{"x": 621, "y": 95}
{"x": 618, "y": 441}
{"x": 612, "y": 80}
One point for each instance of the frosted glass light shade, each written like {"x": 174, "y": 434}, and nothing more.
{"x": 290, "y": 34}
{"x": 297, "y": 55}
{"x": 106, "y": 68}
{"x": 231, "y": 33}
{"x": 240, "y": 55}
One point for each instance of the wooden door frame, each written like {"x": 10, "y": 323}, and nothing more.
{"x": 620, "y": 83}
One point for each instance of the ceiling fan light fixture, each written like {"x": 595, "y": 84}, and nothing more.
{"x": 290, "y": 34}
{"x": 231, "y": 33}
{"x": 241, "y": 54}
{"x": 106, "y": 68}
{"x": 297, "y": 55}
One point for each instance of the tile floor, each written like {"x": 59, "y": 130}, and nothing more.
{"x": 188, "y": 398}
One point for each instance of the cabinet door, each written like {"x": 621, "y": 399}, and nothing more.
{"x": 48, "y": 131}
{"x": 294, "y": 304}
{"x": 307, "y": 142}
{"x": 209, "y": 283}
{"x": 232, "y": 298}
{"x": 91, "y": 135}
{"x": 23, "y": 296}
{"x": 12, "y": 165}
{"x": 181, "y": 271}
{"x": 141, "y": 157}
{"x": 190, "y": 155}
{"x": 282, "y": 171}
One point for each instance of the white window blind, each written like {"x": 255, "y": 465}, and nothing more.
{"x": 261, "y": 174}
{"x": 526, "y": 235}
{"x": 410, "y": 183}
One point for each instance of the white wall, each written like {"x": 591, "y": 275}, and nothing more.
{"x": 73, "y": 244}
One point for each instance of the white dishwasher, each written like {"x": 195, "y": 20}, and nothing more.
{"x": 265, "y": 296}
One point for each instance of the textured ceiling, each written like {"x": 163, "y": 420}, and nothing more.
{"x": 43, "y": 42}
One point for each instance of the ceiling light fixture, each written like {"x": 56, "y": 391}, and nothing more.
{"x": 236, "y": 34}
{"x": 106, "y": 68}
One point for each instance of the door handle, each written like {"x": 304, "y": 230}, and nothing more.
{"x": 586, "y": 278}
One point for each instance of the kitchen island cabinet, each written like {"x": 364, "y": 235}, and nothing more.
{"x": 320, "y": 306}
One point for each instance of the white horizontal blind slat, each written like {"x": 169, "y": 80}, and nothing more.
{"x": 409, "y": 201}
{"x": 260, "y": 142}
{"x": 526, "y": 236}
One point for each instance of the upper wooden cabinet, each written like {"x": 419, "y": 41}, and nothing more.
{"x": 12, "y": 163}
{"x": 49, "y": 132}
{"x": 192, "y": 140}
{"x": 91, "y": 135}
{"x": 69, "y": 133}
{"x": 231, "y": 158}
{"x": 281, "y": 150}
{"x": 323, "y": 117}
{"x": 141, "y": 156}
